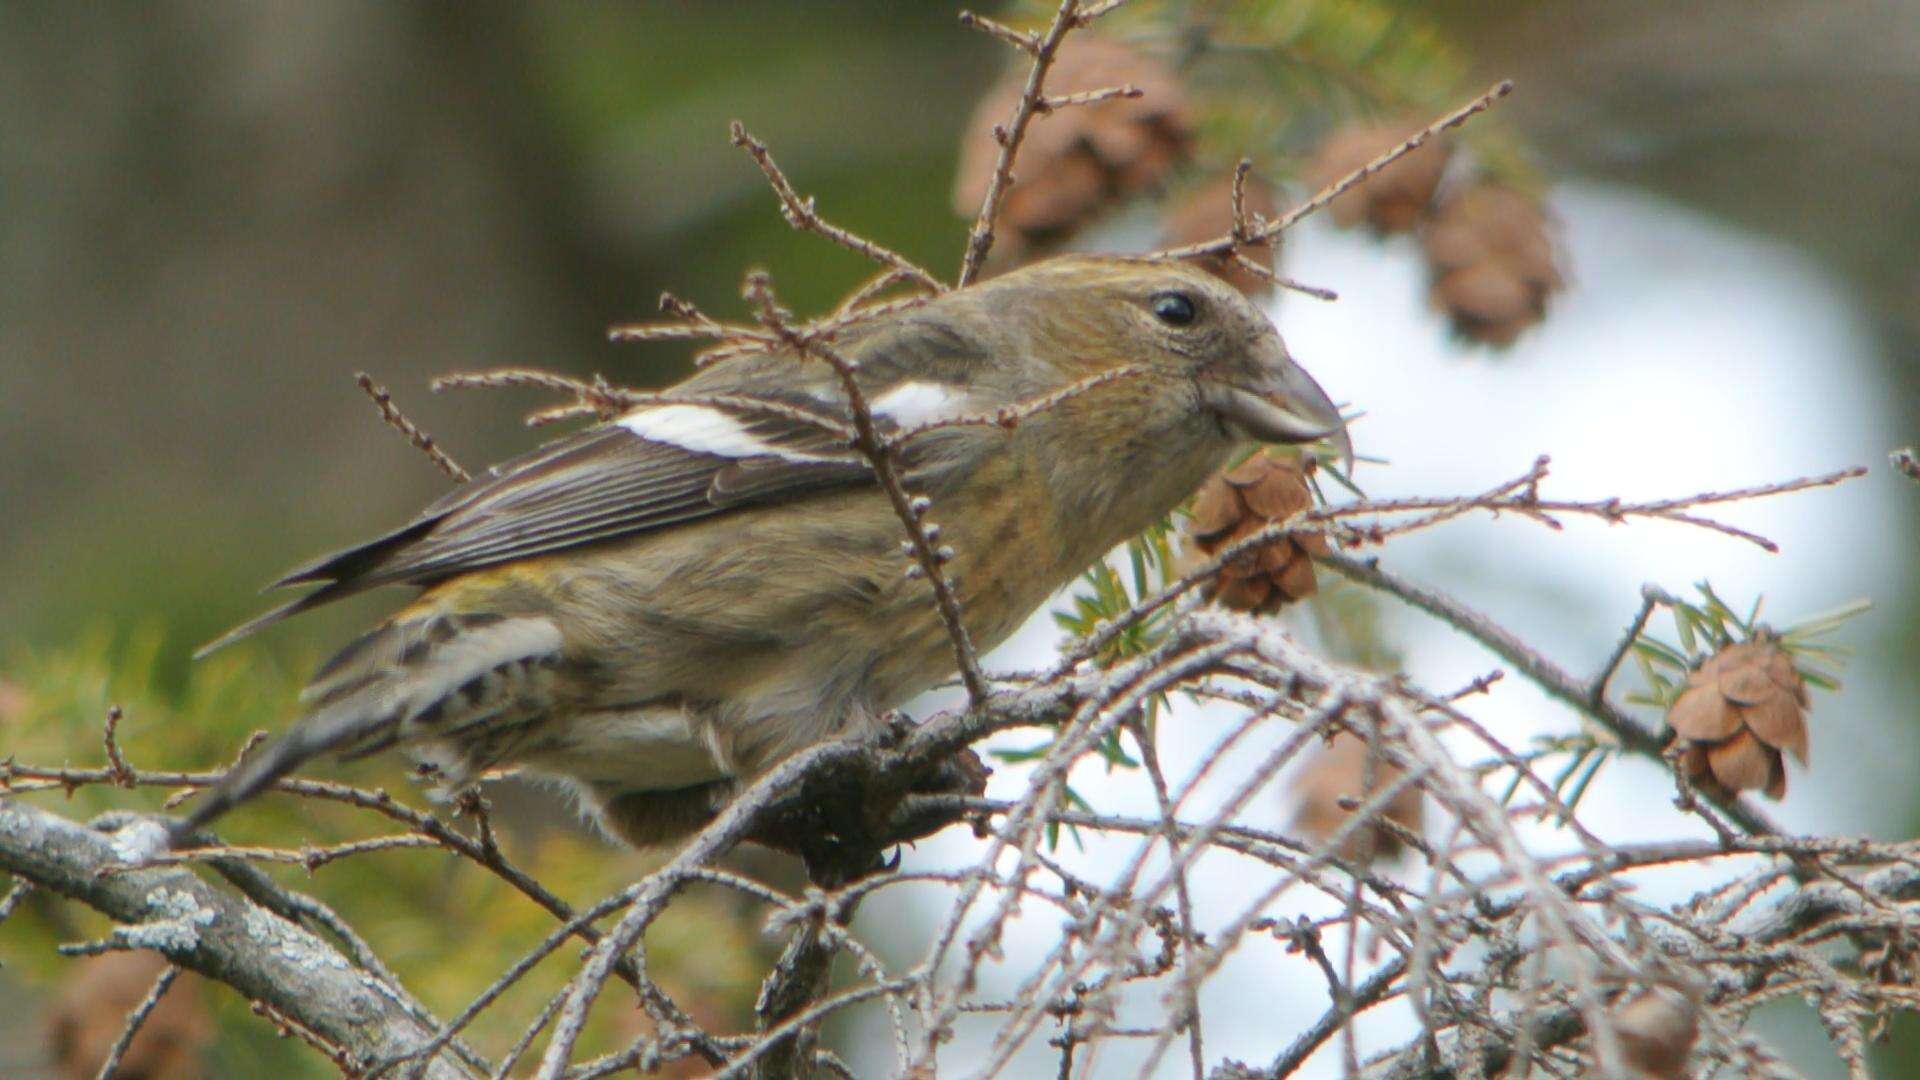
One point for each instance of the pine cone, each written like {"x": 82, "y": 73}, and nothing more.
{"x": 1741, "y": 708}
{"x": 1337, "y": 772}
{"x": 1078, "y": 160}
{"x": 1392, "y": 200}
{"x": 1656, "y": 1029}
{"x": 1206, "y": 213}
{"x": 1270, "y": 486}
{"x": 1491, "y": 257}
{"x": 91, "y": 1011}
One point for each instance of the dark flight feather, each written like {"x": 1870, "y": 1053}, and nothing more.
{"x": 601, "y": 484}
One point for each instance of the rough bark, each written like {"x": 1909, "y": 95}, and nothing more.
{"x": 223, "y": 936}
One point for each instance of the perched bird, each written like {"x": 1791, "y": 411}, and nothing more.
{"x": 659, "y": 607}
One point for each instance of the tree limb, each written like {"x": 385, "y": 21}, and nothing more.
{"x": 195, "y": 925}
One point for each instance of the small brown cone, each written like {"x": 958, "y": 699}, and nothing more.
{"x": 1392, "y": 200}
{"x": 1656, "y": 1029}
{"x": 1205, "y": 213}
{"x": 1741, "y": 709}
{"x": 1339, "y": 771}
{"x": 14, "y": 702}
{"x": 1270, "y": 486}
{"x": 1078, "y": 160}
{"x": 91, "y": 1010}
{"x": 1491, "y": 257}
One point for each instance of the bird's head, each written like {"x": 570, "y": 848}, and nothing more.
{"x": 1184, "y": 326}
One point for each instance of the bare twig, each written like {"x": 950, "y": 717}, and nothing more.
{"x": 1051, "y": 104}
{"x": 1044, "y": 48}
{"x": 312, "y": 858}
{"x": 285, "y": 1026}
{"x": 800, "y": 214}
{"x": 111, "y": 1066}
{"x": 1227, "y": 244}
{"x": 1023, "y": 40}
{"x": 929, "y": 559}
{"x": 1544, "y": 673}
{"x": 1650, "y": 598}
{"x": 122, "y": 774}
{"x": 11, "y": 898}
{"x": 398, "y": 421}
{"x": 217, "y": 934}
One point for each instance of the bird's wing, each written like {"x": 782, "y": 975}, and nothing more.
{"x": 657, "y": 466}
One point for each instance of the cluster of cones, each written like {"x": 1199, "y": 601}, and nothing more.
{"x": 1490, "y": 252}
{"x": 1487, "y": 244}
{"x": 1085, "y": 160}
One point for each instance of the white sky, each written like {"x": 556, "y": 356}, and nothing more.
{"x": 1685, "y": 357}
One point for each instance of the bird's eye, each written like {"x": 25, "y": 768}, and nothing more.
{"x": 1174, "y": 309}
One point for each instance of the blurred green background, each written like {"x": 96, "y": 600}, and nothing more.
{"x": 212, "y": 214}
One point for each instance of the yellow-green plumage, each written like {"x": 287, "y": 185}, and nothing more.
{"x": 658, "y": 608}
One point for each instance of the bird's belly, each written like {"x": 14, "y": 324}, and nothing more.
{"x": 643, "y": 748}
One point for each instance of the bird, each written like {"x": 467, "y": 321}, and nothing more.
{"x": 656, "y": 609}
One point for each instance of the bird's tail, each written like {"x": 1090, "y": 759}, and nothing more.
{"x": 441, "y": 675}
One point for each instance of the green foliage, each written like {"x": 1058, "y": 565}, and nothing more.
{"x": 1585, "y": 756}
{"x": 446, "y": 926}
{"x": 1273, "y": 77}
{"x": 1705, "y": 627}
{"x": 1105, "y": 595}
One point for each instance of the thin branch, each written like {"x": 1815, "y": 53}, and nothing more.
{"x": 800, "y": 214}
{"x": 1279, "y": 280}
{"x": 1544, "y": 673}
{"x": 398, "y": 421}
{"x": 117, "y": 767}
{"x": 135, "y": 1019}
{"x": 285, "y": 1026}
{"x": 929, "y": 559}
{"x": 1189, "y": 926}
{"x": 11, "y": 899}
{"x": 1011, "y": 416}
{"x": 866, "y": 294}
{"x": 1023, "y": 40}
{"x": 1226, "y": 245}
{"x": 311, "y": 858}
{"x": 1246, "y": 234}
{"x": 1651, "y": 597}
{"x": 1047, "y": 105}
{"x": 197, "y": 926}
{"x": 1044, "y": 49}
